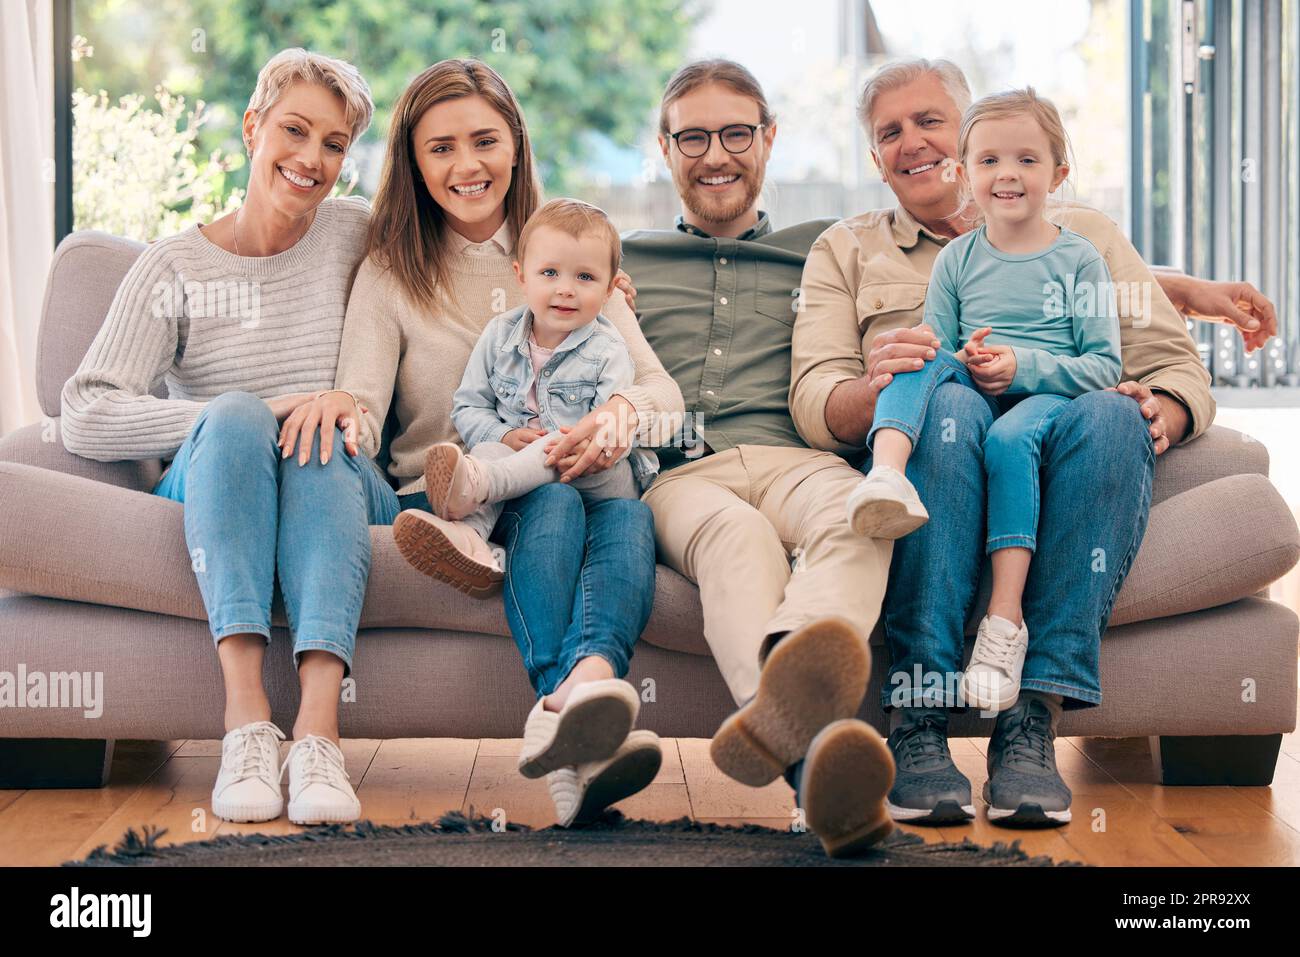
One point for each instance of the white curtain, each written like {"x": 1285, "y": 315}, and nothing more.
{"x": 26, "y": 197}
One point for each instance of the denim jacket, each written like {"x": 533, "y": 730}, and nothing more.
{"x": 588, "y": 369}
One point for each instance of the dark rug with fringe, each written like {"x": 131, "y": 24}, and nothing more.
{"x": 456, "y": 840}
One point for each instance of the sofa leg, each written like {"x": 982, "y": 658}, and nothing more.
{"x": 54, "y": 762}
{"x": 1241, "y": 760}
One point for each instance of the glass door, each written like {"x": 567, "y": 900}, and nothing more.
{"x": 1214, "y": 95}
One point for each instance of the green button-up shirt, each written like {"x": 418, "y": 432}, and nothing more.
{"x": 719, "y": 313}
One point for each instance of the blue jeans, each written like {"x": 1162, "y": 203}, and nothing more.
{"x": 580, "y": 577}
{"x": 1012, "y": 444}
{"x": 251, "y": 517}
{"x": 1096, "y": 449}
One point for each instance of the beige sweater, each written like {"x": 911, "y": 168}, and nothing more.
{"x": 394, "y": 354}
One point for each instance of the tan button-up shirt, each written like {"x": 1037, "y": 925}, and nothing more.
{"x": 869, "y": 274}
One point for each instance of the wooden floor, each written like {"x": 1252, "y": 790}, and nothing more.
{"x": 1121, "y": 816}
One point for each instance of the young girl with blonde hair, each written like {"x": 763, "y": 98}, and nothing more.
{"x": 1025, "y": 314}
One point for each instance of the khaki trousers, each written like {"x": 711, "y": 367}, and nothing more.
{"x": 733, "y": 521}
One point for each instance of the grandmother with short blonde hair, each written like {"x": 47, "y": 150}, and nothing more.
{"x": 242, "y": 319}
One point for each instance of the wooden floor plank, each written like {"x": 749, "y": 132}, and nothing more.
{"x": 1231, "y": 840}
{"x": 177, "y": 798}
{"x": 416, "y": 779}
{"x": 8, "y": 797}
{"x": 43, "y": 827}
{"x": 168, "y": 784}
{"x": 714, "y": 795}
{"x": 200, "y": 748}
{"x": 932, "y": 835}
{"x": 1282, "y": 800}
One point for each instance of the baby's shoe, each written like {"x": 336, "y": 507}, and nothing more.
{"x": 581, "y": 793}
{"x": 248, "y": 784}
{"x": 992, "y": 679}
{"x": 592, "y": 725}
{"x": 885, "y": 505}
{"x": 451, "y": 552}
{"x": 456, "y": 483}
{"x": 319, "y": 790}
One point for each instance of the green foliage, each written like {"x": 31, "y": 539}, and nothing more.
{"x": 578, "y": 66}
{"x": 139, "y": 173}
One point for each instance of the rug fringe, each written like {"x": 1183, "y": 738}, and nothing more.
{"x": 133, "y": 847}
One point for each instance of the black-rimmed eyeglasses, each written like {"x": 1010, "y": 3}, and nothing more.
{"x": 735, "y": 138}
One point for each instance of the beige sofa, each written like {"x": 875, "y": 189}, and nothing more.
{"x": 97, "y": 579}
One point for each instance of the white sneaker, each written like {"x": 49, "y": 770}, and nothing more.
{"x": 581, "y": 793}
{"x": 248, "y": 784}
{"x": 992, "y": 679}
{"x": 319, "y": 791}
{"x": 885, "y": 505}
{"x": 593, "y": 723}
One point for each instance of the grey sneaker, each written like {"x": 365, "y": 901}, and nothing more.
{"x": 928, "y": 788}
{"x": 1024, "y": 788}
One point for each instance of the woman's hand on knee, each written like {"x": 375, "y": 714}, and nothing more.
{"x": 283, "y": 405}
{"x": 325, "y": 412}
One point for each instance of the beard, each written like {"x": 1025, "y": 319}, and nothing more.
{"x": 713, "y": 209}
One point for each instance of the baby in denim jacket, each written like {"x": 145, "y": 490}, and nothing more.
{"x": 539, "y": 367}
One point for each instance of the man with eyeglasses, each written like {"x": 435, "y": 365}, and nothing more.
{"x": 742, "y": 507}
{"x": 758, "y": 521}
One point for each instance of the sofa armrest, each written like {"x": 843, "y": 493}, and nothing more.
{"x": 1218, "y": 453}
{"x": 41, "y": 445}
{"x": 1211, "y": 545}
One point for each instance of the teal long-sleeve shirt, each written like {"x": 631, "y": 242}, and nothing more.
{"x": 1054, "y": 307}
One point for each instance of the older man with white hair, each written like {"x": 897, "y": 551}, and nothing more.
{"x": 864, "y": 289}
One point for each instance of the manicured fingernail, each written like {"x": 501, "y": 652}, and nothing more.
{"x": 930, "y": 354}
{"x": 324, "y": 460}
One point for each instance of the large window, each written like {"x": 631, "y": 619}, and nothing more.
{"x": 160, "y": 87}
{"x": 588, "y": 72}
{"x": 1184, "y": 114}
{"x": 1216, "y": 116}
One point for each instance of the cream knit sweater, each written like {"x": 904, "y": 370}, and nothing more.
{"x": 205, "y": 321}
{"x": 394, "y": 354}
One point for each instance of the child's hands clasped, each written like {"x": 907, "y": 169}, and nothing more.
{"x": 992, "y": 367}
{"x": 518, "y": 439}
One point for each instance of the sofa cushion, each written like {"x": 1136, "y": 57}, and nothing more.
{"x": 41, "y": 445}
{"x": 63, "y": 536}
{"x": 86, "y": 270}
{"x": 1216, "y": 453}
